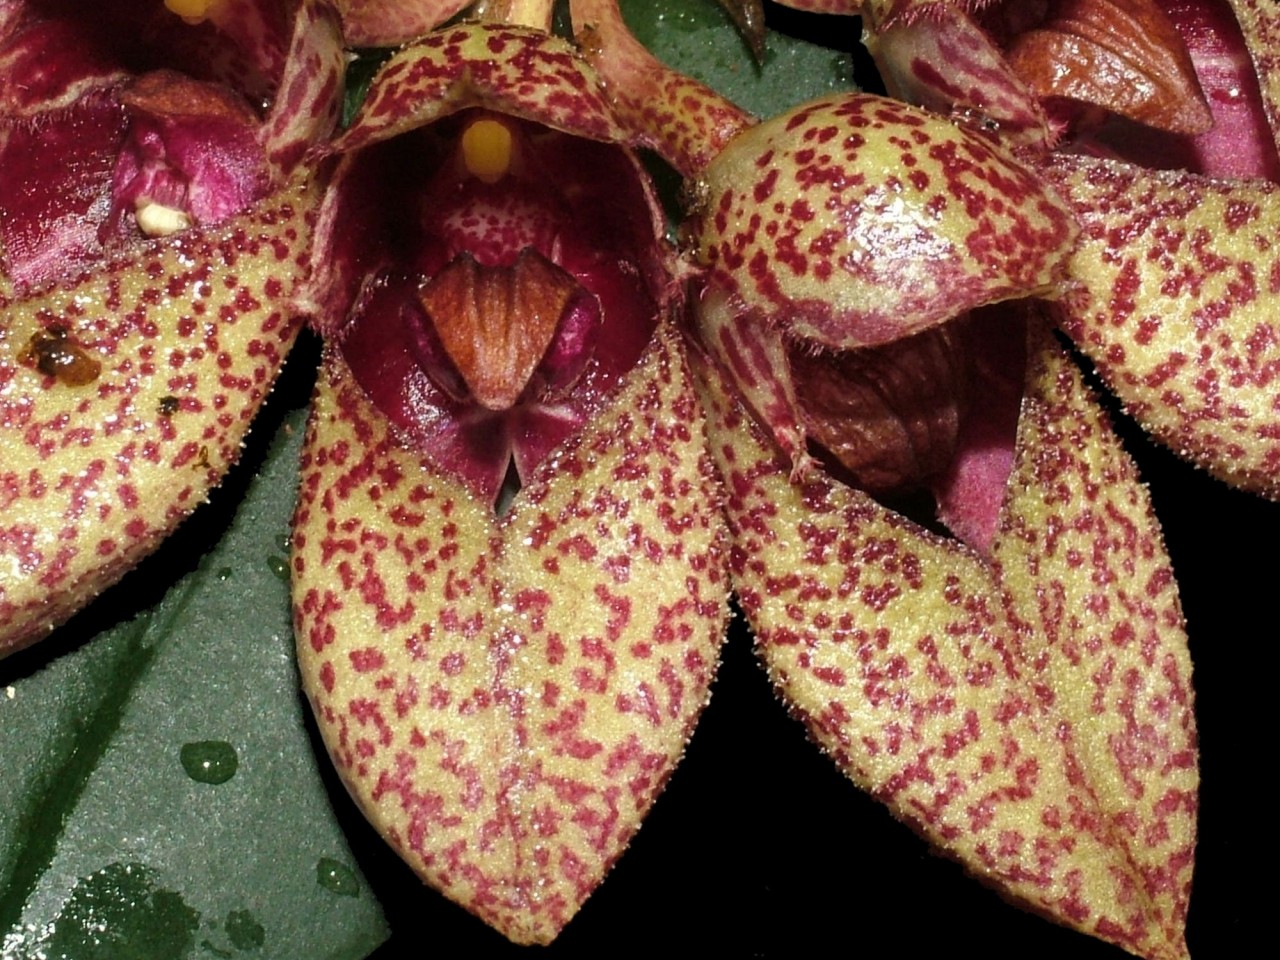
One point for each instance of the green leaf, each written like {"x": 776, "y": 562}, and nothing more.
{"x": 698, "y": 38}
{"x": 160, "y": 795}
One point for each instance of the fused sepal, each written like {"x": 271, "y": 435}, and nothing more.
{"x": 855, "y": 220}
{"x": 1028, "y": 710}
{"x": 511, "y": 70}
{"x": 505, "y": 696}
{"x": 186, "y": 335}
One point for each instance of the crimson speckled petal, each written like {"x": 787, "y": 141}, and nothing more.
{"x": 130, "y": 369}
{"x": 386, "y": 23}
{"x": 506, "y": 696}
{"x": 683, "y": 120}
{"x": 189, "y": 334}
{"x": 1176, "y": 297}
{"x": 1051, "y": 752}
{"x": 512, "y": 70}
{"x": 933, "y": 54}
{"x": 855, "y": 220}
{"x": 308, "y": 100}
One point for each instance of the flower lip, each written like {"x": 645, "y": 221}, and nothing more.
{"x": 1240, "y": 143}
{"x": 485, "y": 331}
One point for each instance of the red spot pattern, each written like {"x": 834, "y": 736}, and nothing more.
{"x": 686, "y": 122}
{"x": 873, "y": 220}
{"x": 1029, "y": 711}
{"x": 1177, "y": 307}
{"x": 511, "y": 734}
{"x": 512, "y": 70}
{"x": 94, "y": 477}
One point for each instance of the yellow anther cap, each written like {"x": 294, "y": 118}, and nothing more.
{"x": 486, "y": 149}
{"x": 193, "y": 11}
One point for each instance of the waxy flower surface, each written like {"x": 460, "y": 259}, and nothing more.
{"x": 508, "y": 556}
{"x": 499, "y": 784}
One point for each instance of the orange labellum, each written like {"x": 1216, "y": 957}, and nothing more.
{"x": 1123, "y": 55}
{"x": 496, "y": 323}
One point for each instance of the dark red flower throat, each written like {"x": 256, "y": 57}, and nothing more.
{"x": 502, "y": 277}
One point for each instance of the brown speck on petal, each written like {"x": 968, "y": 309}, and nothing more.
{"x": 53, "y": 352}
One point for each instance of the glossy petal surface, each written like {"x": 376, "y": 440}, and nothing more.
{"x": 856, "y": 220}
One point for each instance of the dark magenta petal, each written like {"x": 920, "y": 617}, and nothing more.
{"x": 54, "y": 190}
{"x": 1241, "y": 143}
{"x": 410, "y": 209}
{"x": 191, "y": 146}
{"x": 574, "y": 345}
{"x": 972, "y": 491}
{"x": 49, "y": 63}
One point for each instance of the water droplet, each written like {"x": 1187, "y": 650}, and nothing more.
{"x": 337, "y": 877}
{"x": 209, "y": 761}
{"x": 285, "y": 541}
{"x": 244, "y": 930}
{"x": 114, "y": 912}
{"x": 279, "y": 566}
{"x": 224, "y": 574}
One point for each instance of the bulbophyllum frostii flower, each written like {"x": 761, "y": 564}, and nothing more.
{"x": 1021, "y": 696}
{"x": 508, "y": 555}
{"x": 456, "y": 382}
{"x": 1174, "y": 281}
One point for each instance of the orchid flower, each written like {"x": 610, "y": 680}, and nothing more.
{"x": 508, "y": 558}
{"x": 1021, "y": 699}
{"x": 1175, "y": 310}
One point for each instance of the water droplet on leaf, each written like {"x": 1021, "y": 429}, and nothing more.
{"x": 115, "y": 912}
{"x": 337, "y": 877}
{"x": 244, "y": 930}
{"x": 209, "y": 761}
